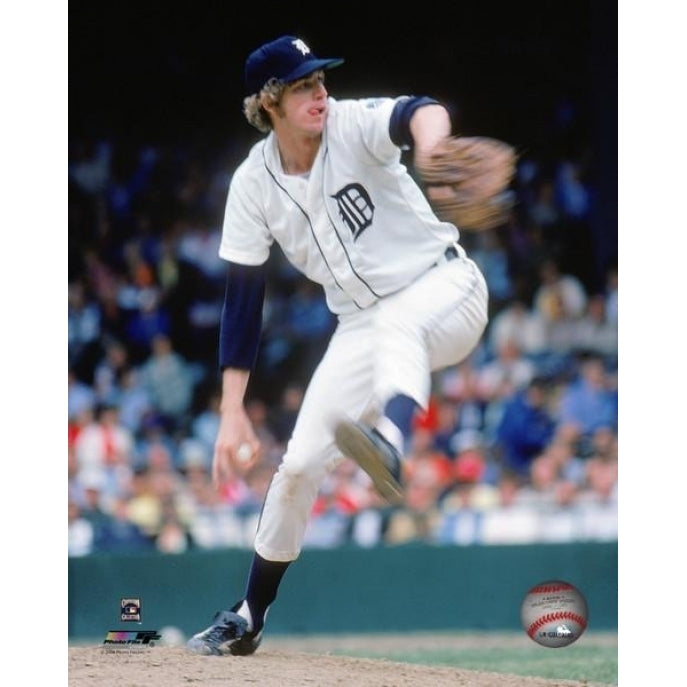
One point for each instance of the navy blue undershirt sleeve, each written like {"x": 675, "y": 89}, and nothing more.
{"x": 241, "y": 323}
{"x": 399, "y": 123}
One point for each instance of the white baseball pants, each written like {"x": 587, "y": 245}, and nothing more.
{"x": 388, "y": 349}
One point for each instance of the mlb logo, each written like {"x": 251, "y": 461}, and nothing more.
{"x": 130, "y": 609}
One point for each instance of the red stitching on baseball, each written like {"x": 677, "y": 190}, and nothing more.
{"x": 553, "y": 617}
{"x": 548, "y": 588}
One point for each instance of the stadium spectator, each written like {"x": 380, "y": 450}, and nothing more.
{"x": 296, "y": 332}
{"x": 135, "y": 405}
{"x": 89, "y": 165}
{"x": 512, "y": 520}
{"x": 130, "y": 173}
{"x": 370, "y": 521}
{"x": 472, "y": 464}
{"x": 215, "y": 524}
{"x": 147, "y": 322}
{"x": 526, "y": 427}
{"x": 118, "y": 534}
{"x": 518, "y": 323}
{"x": 508, "y": 372}
{"x": 270, "y": 449}
{"x": 205, "y": 423}
{"x": 113, "y": 317}
{"x": 172, "y": 535}
{"x": 564, "y": 450}
{"x": 195, "y": 491}
{"x": 283, "y": 415}
{"x": 83, "y": 330}
{"x": 572, "y": 194}
{"x": 80, "y": 532}
{"x": 170, "y": 381}
{"x": 595, "y": 332}
{"x": 198, "y": 245}
{"x": 330, "y": 521}
{"x": 491, "y": 255}
{"x": 560, "y": 300}
{"x": 109, "y": 370}
{"x": 167, "y": 266}
{"x": 427, "y": 474}
{"x": 588, "y": 402}
{"x": 460, "y": 385}
{"x": 460, "y": 521}
{"x": 88, "y": 497}
{"x": 104, "y": 450}
{"x": 539, "y": 492}
{"x": 423, "y": 457}
{"x": 555, "y": 480}
{"x": 598, "y": 500}
{"x": 191, "y": 451}
{"x": 144, "y": 507}
{"x": 81, "y": 397}
{"x": 445, "y": 426}
{"x": 545, "y": 214}
{"x": 469, "y": 494}
{"x": 601, "y": 468}
{"x": 257, "y": 481}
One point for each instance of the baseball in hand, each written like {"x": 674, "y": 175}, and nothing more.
{"x": 244, "y": 453}
{"x": 554, "y": 613}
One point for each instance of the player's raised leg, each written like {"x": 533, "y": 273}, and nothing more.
{"x": 434, "y": 323}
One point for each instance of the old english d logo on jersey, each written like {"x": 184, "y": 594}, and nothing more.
{"x": 355, "y": 207}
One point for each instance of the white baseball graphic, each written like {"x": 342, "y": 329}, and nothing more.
{"x": 554, "y": 613}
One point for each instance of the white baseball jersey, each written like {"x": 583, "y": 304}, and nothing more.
{"x": 358, "y": 224}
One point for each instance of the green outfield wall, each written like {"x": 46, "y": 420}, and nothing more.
{"x": 406, "y": 588}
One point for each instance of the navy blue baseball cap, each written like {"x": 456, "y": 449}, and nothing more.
{"x": 287, "y": 59}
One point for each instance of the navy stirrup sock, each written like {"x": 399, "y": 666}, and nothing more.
{"x": 401, "y": 410}
{"x": 396, "y": 424}
{"x": 261, "y": 590}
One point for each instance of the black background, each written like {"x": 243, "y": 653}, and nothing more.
{"x": 164, "y": 70}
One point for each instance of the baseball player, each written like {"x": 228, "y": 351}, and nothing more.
{"x": 327, "y": 184}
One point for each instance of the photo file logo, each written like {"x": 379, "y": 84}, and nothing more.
{"x": 130, "y": 640}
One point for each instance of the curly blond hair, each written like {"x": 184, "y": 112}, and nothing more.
{"x": 253, "y": 110}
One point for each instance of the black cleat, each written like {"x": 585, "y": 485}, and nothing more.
{"x": 227, "y": 629}
{"x": 246, "y": 644}
{"x": 380, "y": 460}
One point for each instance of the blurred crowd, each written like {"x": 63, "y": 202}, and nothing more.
{"x": 519, "y": 443}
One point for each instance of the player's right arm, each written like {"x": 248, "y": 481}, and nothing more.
{"x": 235, "y": 428}
{"x": 240, "y": 328}
{"x": 245, "y": 246}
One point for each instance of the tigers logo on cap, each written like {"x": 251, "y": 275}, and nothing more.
{"x": 286, "y": 59}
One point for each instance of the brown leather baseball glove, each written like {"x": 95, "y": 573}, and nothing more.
{"x": 466, "y": 180}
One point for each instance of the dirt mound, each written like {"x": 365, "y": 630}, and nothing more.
{"x": 163, "y": 666}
